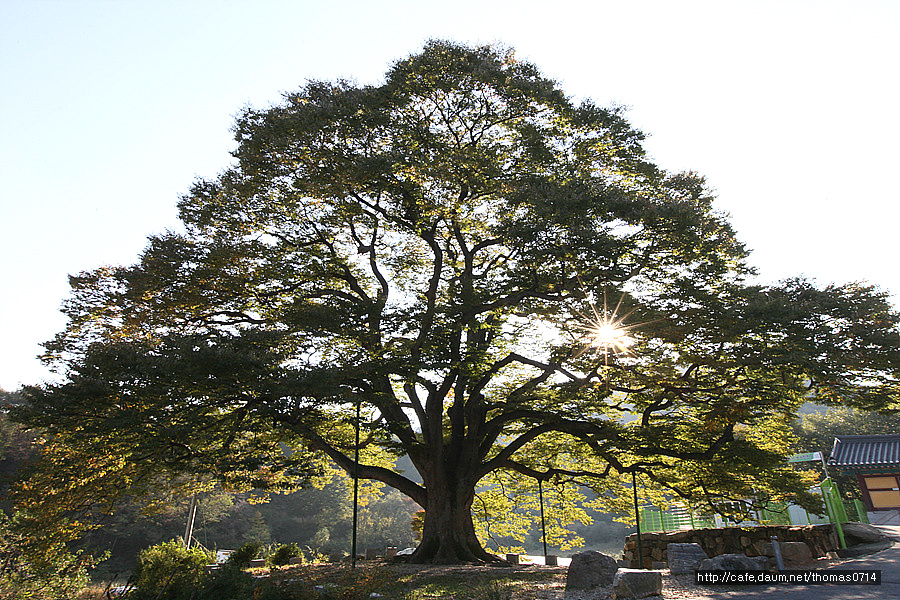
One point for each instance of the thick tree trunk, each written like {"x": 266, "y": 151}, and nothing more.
{"x": 448, "y": 534}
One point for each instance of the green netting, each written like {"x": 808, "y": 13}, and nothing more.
{"x": 775, "y": 513}
{"x": 862, "y": 515}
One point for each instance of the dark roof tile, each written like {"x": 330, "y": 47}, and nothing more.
{"x": 865, "y": 451}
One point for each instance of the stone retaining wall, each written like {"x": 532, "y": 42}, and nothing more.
{"x": 821, "y": 539}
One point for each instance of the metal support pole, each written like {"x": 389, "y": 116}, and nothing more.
{"x": 824, "y": 465}
{"x": 779, "y": 561}
{"x": 189, "y": 529}
{"x": 637, "y": 520}
{"x": 355, "y": 492}
{"x": 543, "y": 524}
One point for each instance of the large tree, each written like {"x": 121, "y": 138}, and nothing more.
{"x": 446, "y": 253}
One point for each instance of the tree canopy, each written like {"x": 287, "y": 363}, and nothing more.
{"x": 441, "y": 251}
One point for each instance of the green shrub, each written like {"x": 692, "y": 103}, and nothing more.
{"x": 242, "y": 556}
{"x": 283, "y": 555}
{"x": 31, "y": 567}
{"x": 227, "y": 583}
{"x": 169, "y": 571}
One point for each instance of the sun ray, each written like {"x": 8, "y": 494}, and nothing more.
{"x": 606, "y": 332}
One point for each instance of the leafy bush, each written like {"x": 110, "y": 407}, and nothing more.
{"x": 228, "y": 583}
{"x": 169, "y": 571}
{"x": 242, "y": 556}
{"x": 283, "y": 555}
{"x": 35, "y": 568}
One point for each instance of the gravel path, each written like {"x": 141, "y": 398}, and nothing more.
{"x": 551, "y": 583}
{"x": 675, "y": 587}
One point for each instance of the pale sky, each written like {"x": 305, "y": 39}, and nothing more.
{"x": 110, "y": 109}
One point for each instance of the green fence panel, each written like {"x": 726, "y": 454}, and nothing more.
{"x": 651, "y": 520}
{"x": 862, "y": 514}
{"x": 674, "y": 519}
{"x": 836, "y": 512}
{"x": 704, "y": 522}
{"x": 775, "y": 513}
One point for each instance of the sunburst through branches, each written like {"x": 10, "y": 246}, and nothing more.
{"x": 605, "y": 331}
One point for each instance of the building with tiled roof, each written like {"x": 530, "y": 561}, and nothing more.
{"x": 875, "y": 460}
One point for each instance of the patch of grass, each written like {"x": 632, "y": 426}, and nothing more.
{"x": 492, "y": 589}
{"x": 337, "y": 581}
{"x": 487, "y": 584}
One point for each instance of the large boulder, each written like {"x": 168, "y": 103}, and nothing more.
{"x": 589, "y": 570}
{"x": 735, "y": 562}
{"x": 637, "y": 583}
{"x": 861, "y": 533}
{"x": 795, "y": 554}
{"x": 684, "y": 558}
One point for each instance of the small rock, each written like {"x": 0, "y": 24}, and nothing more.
{"x": 734, "y": 562}
{"x": 637, "y": 583}
{"x": 589, "y": 570}
{"x": 795, "y": 554}
{"x": 685, "y": 558}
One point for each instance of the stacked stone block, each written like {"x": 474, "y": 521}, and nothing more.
{"x": 749, "y": 541}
